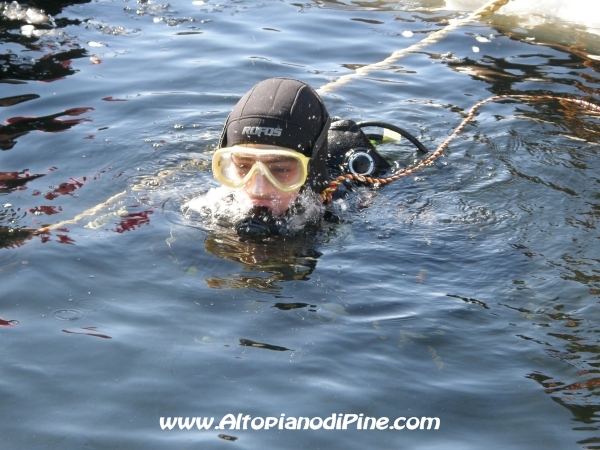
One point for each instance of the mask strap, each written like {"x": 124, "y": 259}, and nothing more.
{"x": 322, "y": 137}
{"x": 223, "y": 138}
{"x": 317, "y": 167}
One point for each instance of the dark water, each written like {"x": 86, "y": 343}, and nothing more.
{"x": 468, "y": 292}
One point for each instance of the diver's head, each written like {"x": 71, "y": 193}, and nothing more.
{"x": 269, "y": 175}
{"x": 274, "y": 144}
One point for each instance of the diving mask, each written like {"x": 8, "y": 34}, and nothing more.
{"x": 235, "y": 166}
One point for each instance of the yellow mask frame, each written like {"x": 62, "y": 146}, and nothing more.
{"x": 235, "y": 166}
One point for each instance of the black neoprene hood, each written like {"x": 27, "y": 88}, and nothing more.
{"x": 286, "y": 113}
{"x": 278, "y": 111}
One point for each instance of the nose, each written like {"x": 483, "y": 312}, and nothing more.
{"x": 260, "y": 185}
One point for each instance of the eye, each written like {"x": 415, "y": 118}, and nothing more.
{"x": 242, "y": 165}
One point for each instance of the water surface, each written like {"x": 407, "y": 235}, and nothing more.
{"x": 468, "y": 292}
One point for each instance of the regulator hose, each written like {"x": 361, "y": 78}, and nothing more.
{"x": 400, "y": 131}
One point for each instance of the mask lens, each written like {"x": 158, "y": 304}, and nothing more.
{"x": 285, "y": 169}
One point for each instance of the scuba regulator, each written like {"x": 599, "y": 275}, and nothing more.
{"x": 260, "y": 223}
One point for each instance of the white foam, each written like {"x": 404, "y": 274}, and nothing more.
{"x": 311, "y": 210}
{"x": 216, "y": 205}
{"x": 35, "y": 16}
{"x": 30, "y": 30}
{"x": 532, "y": 13}
{"x": 27, "y": 30}
{"x": 224, "y": 207}
{"x": 15, "y": 11}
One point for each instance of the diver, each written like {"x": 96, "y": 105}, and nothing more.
{"x": 279, "y": 141}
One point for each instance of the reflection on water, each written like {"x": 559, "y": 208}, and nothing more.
{"x": 48, "y": 67}
{"x": 10, "y": 101}
{"x": 52, "y": 7}
{"x": 49, "y": 51}
{"x": 10, "y": 181}
{"x": 264, "y": 264}
{"x": 20, "y": 126}
{"x": 249, "y": 343}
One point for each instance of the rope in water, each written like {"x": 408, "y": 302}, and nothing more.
{"x": 327, "y": 193}
{"x": 88, "y": 212}
{"x": 489, "y": 8}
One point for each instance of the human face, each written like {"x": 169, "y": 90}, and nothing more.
{"x": 270, "y": 176}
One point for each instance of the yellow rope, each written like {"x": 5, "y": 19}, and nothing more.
{"x": 489, "y": 8}
{"x": 327, "y": 193}
{"x": 87, "y": 212}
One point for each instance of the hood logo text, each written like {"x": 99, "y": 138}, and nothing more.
{"x": 257, "y": 131}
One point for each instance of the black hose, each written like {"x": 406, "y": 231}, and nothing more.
{"x": 398, "y": 130}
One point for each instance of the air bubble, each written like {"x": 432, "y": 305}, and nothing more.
{"x": 67, "y": 314}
